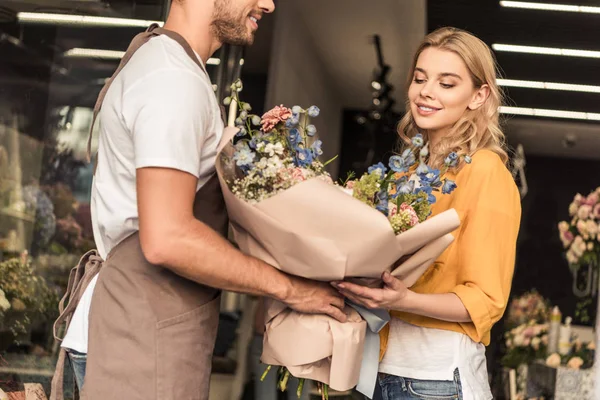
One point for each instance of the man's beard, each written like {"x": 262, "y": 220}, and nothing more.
{"x": 229, "y": 26}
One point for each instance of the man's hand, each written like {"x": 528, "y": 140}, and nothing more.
{"x": 312, "y": 297}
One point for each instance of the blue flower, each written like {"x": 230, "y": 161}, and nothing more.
{"x": 295, "y": 136}
{"x": 304, "y": 157}
{"x": 468, "y": 159}
{"x": 292, "y": 121}
{"x": 429, "y": 190}
{"x": 244, "y": 157}
{"x": 451, "y": 160}
{"x": 417, "y": 140}
{"x": 448, "y": 186}
{"x": 316, "y": 148}
{"x": 432, "y": 178}
{"x": 378, "y": 167}
{"x": 311, "y": 130}
{"x": 255, "y": 120}
{"x": 397, "y": 164}
{"x": 409, "y": 158}
{"x": 422, "y": 169}
{"x": 406, "y": 188}
{"x": 242, "y": 131}
{"x": 313, "y": 111}
{"x": 383, "y": 208}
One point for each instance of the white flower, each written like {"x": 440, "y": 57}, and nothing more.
{"x": 553, "y": 360}
{"x": 535, "y": 343}
{"x": 582, "y": 227}
{"x": 591, "y": 345}
{"x": 519, "y": 340}
{"x": 584, "y": 211}
{"x": 272, "y": 149}
{"x": 591, "y": 227}
{"x": 590, "y": 246}
{"x": 573, "y": 207}
{"x": 572, "y": 258}
{"x": 563, "y": 226}
{"x": 262, "y": 164}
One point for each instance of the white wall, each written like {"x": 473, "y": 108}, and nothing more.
{"x": 298, "y": 76}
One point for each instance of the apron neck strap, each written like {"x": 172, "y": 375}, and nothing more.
{"x": 136, "y": 43}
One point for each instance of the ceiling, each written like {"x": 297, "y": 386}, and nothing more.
{"x": 496, "y": 24}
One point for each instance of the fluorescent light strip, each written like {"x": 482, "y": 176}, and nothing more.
{"x": 82, "y": 20}
{"x": 538, "y": 112}
{"x": 548, "y": 85}
{"x": 546, "y": 50}
{"x": 550, "y": 7}
{"x": 112, "y": 55}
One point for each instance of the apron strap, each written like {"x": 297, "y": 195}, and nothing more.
{"x": 80, "y": 277}
{"x": 137, "y": 42}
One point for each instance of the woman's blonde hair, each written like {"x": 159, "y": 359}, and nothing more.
{"x": 476, "y": 129}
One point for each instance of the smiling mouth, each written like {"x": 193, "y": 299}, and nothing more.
{"x": 254, "y": 21}
{"x": 427, "y": 108}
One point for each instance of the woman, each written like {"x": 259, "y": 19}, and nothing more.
{"x": 434, "y": 346}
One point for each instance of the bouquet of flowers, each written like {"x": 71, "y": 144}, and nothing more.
{"x": 531, "y": 306}
{"x": 285, "y": 210}
{"x": 581, "y": 236}
{"x": 525, "y": 343}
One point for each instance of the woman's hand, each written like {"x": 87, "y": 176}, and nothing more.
{"x": 390, "y": 297}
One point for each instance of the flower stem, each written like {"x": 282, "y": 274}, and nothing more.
{"x": 264, "y": 375}
{"x": 284, "y": 381}
{"x": 326, "y": 392}
{"x": 300, "y": 387}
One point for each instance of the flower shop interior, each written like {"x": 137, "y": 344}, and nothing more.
{"x": 351, "y": 58}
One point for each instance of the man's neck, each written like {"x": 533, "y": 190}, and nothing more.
{"x": 194, "y": 26}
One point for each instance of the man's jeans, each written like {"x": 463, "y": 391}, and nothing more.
{"x": 78, "y": 361}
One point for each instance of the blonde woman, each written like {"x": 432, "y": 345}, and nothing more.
{"x": 434, "y": 345}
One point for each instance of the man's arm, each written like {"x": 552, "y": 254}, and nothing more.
{"x": 171, "y": 236}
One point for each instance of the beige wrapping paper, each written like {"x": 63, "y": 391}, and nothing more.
{"x": 317, "y": 231}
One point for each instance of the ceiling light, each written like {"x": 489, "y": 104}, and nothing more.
{"x": 548, "y": 85}
{"x": 111, "y": 55}
{"x": 376, "y": 85}
{"x": 546, "y": 50}
{"x": 538, "y": 112}
{"x": 550, "y": 7}
{"x": 82, "y": 20}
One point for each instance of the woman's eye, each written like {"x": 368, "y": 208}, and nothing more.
{"x": 446, "y": 85}
{"x": 419, "y": 81}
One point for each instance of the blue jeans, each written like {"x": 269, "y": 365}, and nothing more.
{"x": 399, "y": 388}
{"x": 78, "y": 361}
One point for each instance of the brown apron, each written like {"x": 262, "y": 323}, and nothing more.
{"x": 151, "y": 332}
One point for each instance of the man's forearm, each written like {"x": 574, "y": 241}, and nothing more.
{"x": 198, "y": 253}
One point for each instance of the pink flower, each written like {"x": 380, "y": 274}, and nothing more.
{"x": 406, "y": 209}
{"x": 582, "y": 227}
{"x": 596, "y": 212}
{"x": 273, "y": 117}
{"x": 298, "y": 174}
{"x": 578, "y": 199}
{"x": 566, "y": 238}
{"x": 350, "y": 184}
{"x": 529, "y": 332}
{"x": 592, "y": 199}
{"x": 393, "y": 209}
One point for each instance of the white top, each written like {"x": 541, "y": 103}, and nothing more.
{"x": 160, "y": 111}
{"x": 433, "y": 354}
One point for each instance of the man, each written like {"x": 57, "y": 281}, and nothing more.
{"x": 158, "y": 217}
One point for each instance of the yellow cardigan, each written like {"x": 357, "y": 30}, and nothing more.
{"x": 478, "y": 266}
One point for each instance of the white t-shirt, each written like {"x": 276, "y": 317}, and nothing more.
{"x": 433, "y": 354}
{"x": 160, "y": 111}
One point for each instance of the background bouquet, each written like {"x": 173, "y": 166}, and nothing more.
{"x": 285, "y": 209}
{"x": 581, "y": 236}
